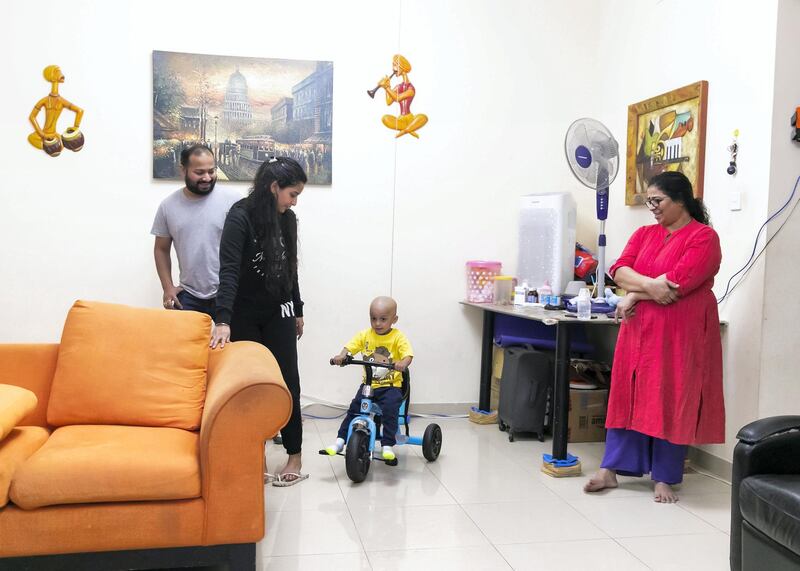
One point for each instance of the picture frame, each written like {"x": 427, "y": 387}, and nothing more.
{"x": 245, "y": 110}
{"x": 667, "y": 133}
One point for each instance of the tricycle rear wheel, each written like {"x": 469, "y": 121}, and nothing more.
{"x": 432, "y": 442}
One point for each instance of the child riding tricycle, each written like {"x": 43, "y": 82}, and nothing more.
{"x": 364, "y": 426}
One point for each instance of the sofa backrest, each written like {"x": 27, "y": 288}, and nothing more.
{"x": 130, "y": 366}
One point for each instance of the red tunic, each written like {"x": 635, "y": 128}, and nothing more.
{"x": 405, "y": 104}
{"x": 667, "y": 374}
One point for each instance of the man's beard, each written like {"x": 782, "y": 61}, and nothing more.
{"x": 195, "y": 188}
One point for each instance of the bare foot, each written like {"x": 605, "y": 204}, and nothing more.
{"x": 665, "y": 494}
{"x": 293, "y": 465}
{"x": 602, "y": 479}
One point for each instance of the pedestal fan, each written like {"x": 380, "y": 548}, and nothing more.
{"x": 593, "y": 155}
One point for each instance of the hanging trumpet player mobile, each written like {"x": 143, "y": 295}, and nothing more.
{"x": 403, "y": 94}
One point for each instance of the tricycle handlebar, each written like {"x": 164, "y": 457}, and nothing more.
{"x": 350, "y": 361}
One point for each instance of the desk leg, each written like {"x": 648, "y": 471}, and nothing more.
{"x": 561, "y": 392}
{"x": 487, "y": 341}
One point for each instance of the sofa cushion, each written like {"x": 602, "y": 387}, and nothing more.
{"x": 15, "y": 404}
{"x": 17, "y": 447}
{"x": 96, "y": 463}
{"x": 131, "y": 366}
{"x": 771, "y": 503}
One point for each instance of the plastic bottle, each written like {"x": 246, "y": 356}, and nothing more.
{"x": 584, "y": 304}
{"x": 503, "y": 290}
{"x": 519, "y": 295}
{"x": 544, "y": 293}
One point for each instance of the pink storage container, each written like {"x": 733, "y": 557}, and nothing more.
{"x": 480, "y": 280}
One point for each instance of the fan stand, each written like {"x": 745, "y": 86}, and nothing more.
{"x": 602, "y": 215}
{"x": 600, "y": 282}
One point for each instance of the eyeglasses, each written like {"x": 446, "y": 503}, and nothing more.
{"x": 655, "y": 202}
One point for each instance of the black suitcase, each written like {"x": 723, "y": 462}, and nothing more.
{"x": 524, "y": 390}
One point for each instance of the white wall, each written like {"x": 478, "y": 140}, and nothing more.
{"x": 567, "y": 61}
{"x": 78, "y": 226}
{"x": 501, "y": 82}
{"x": 779, "y": 390}
{"x": 651, "y": 47}
{"x": 499, "y": 108}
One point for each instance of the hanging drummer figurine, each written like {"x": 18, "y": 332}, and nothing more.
{"x": 403, "y": 93}
{"x": 46, "y": 137}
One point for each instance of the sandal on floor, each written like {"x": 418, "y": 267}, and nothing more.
{"x": 288, "y": 479}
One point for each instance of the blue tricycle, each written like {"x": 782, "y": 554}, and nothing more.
{"x": 365, "y": 428}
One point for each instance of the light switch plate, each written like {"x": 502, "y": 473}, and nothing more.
{"x": 735, "y": 200}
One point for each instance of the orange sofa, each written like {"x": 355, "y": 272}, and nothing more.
{"x": 142, "y": 448}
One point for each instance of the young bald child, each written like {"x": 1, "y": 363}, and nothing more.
{"x": 384, "y": 344}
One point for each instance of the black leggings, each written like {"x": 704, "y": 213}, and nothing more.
{"x": 279, "y": 335}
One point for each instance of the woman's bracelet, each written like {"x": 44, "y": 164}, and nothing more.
{"x": 218, "y": 324}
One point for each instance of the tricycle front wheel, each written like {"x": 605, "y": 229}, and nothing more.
{"x": 357, "y": 456}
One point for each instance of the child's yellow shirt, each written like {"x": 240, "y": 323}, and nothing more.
{"x": 389, "y": 348}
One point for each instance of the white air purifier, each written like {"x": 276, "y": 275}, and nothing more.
{"x": 547, "y": 240}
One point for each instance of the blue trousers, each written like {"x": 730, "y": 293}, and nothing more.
{"x": 389, "y": 399}
{"x": 632, "y": 453}
{"x": 192, "y": 303}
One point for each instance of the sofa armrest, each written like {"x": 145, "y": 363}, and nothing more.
{"x": 766, "y": 446}
{"x": 30, "y": 366}
{"x": 247, "y": 402}
{"x": 760, "y": 429}
{"x": 16, "y": 403}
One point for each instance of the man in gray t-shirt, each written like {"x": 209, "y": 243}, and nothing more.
{"x": 192, "y": 218}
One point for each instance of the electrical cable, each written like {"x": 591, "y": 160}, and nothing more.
{"x": 315, "y": 417}
{"x": 765, "y": 246}
{"x": 708, "y": 473}
{"x": 753, "y": 256}
{"x": 339, "y": 406}
{"x": 320, "y": 402}
{"x": 394, "y": 176}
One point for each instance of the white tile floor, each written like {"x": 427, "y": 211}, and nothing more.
{"x": 483, "y": 505}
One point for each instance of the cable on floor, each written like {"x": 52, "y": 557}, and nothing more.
{"x": 343, "y": 407}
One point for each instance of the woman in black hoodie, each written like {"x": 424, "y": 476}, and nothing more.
{"x": 259, "y": 297}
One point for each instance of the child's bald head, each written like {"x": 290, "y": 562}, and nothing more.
{"x": 382, "y": 303}
{"x": 382, "y": 314}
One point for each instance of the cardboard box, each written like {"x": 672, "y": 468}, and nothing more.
{"x": 494, "y": 395}
{"x": 587, "y": 415}
{"x": 498, "y": 354}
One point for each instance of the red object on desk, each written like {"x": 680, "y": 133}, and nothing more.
{"x": 585, "y": 264}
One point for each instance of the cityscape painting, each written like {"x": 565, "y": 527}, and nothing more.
{"x": 245, "y": 109}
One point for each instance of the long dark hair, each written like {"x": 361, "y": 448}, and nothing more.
{"x": 269, "y": 225}
{"x": 679, "y": 189}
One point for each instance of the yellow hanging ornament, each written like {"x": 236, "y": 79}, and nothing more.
{"x": 403, "y": 93}
{"x": 46, "y": 136}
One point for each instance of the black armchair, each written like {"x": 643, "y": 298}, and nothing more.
{"x": 765, "y": 497}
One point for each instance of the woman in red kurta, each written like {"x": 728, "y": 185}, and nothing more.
{"x": 666, "y": 388}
